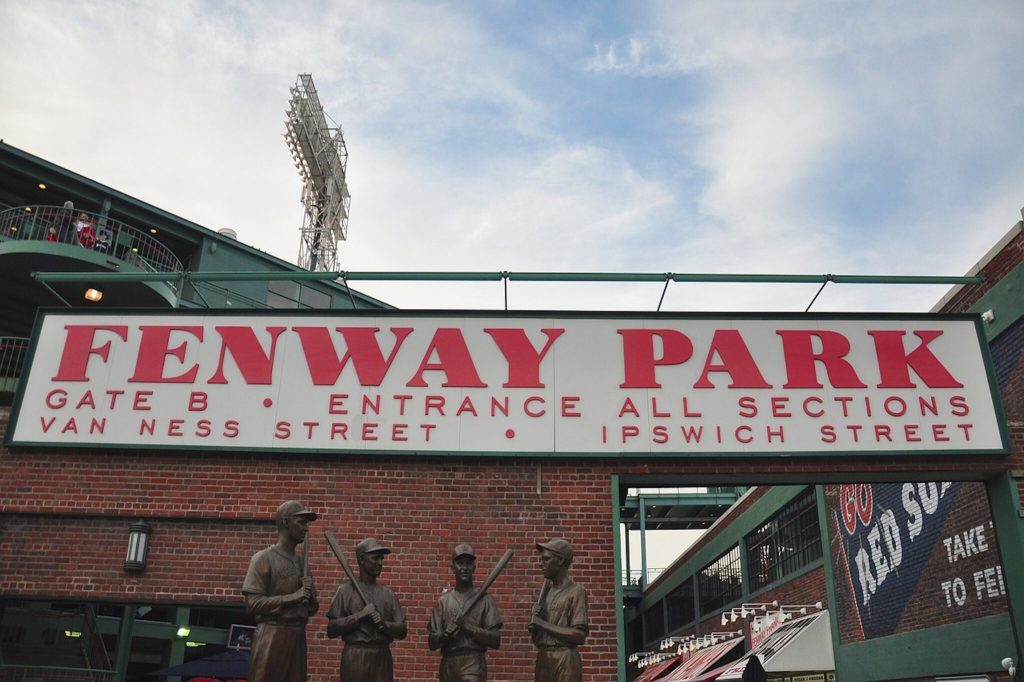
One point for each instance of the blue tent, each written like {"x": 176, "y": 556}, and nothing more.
{"x": 230, "y": 665}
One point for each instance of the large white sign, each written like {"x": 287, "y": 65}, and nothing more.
{"x": 458, "y": 383}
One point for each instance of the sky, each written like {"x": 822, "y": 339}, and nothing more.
{"x": 788, "y": 137}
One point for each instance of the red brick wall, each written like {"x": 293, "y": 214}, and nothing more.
{"x": 209, "y": 513}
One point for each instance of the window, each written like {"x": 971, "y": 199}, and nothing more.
{"x": 721, "y": 582}
{"x": 789, "y": 541}
{"x": 286, "y": 294}
{"x": 679, "y": 605}
{"x": 654, "y": 622}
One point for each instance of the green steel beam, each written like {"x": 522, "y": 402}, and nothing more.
{"x": 620, "y": 625}
{"x": 497, "y": 276}
{"x": 682, "y": 500}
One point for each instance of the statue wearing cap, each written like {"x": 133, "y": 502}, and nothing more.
{"x": 462, "y": 637}
{"x": 560, "y": 622}
{"x": 367, "y": 628}
{"x": 281, "y": 596}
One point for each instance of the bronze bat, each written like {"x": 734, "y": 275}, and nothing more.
{"x": 344, "y": 565}
{"x": 305, "y": 556}
{"x": 491, "y": 577}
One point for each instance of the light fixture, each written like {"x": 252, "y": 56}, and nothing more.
{"x": 72, "y": 634}
{"x": 28, "y": 209}
{"x": 195, "y": 644}
{"x": 183, "y": 631}
{"x": 138, "y": 547}
{"x": 41, "y": 185}
{"x": 93, "y": 294}
{"x": 152, "y": 230}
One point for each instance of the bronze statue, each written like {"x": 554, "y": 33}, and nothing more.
{"x": 463, "y": 626}
{"x": 280, "y": 595}
{"x": 560, "y": 622}
{"x": 367, "y": 616}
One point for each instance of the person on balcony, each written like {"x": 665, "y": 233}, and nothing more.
{"x": 85, "y": 230}
{"x": 102, "y": 242}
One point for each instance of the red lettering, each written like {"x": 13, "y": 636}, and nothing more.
{"x": 153, "y": 351}
{"x": 86, "y": 401}
{"x": 362, "y": 348}
{"x": 660, "y": 434}
{"x": 282, "y": 430}
{"x": 748, "y": 407}
{"x": 336, "y": 403}
{"x": 779, "y": 404}
{"x": 230, "y": 429}
{"x": 939, "y": 433}
{"x": 807, "y": 409}
{"x": 828, "y": 433}
{"x": 141, "y": 401}
{"x": 255, "y": 366}
{"x": 744, "y": 429}
{"x": 371, "y": 403}
{"x": 569, "y": 407}
{"x": 398, "y": 432}
{"x": 78, "y": 348}
{"x": 801, "y": 359}
{"x": 959, "y": 405}
{"x": 174, "y": 427}
{"x": 629, "y": 432}
{"x": 894, "y": 363}
{"x": 433, "y": 402}
{"x": 197, "y": 401}
{"x": 204, "y": 427}
{"x": 529, "y": 401}
{"x": 466, "y": 406}
{"x": 522, "y": 358}
{"x": 628, "y": 408}
{"x": 370, "y": 431}
{"x": 736, "y": 360}
{"x": 61, "y": 399}
{"x": 639, "y": 358}
{"x": 453, "y": 359}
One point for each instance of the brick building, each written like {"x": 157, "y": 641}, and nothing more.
{"x": 938, "y": 609}
{"x": 66, "y": 512}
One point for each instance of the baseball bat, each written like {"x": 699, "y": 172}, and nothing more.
{"x": 344, "y": 565}
{"x": 491, "y": 577}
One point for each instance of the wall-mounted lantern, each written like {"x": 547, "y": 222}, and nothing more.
{"x": 138, "y": 547}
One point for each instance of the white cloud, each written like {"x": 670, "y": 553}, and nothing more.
{"x": 809, "y": 137}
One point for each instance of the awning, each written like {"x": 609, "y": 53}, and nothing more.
{"x": 801, "y": 645}
{"x": 657, "y": 670}
{"x": 697, "y": 662}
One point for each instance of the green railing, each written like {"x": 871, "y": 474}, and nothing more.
{"x": 85, "y": 230}
{"x": 13, "y": 350}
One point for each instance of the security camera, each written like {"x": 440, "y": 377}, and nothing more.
{"x": 988, "y": 316}
{"x": 1009, "y": 667}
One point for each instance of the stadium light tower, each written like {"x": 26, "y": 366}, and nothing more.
{"x": 321, "y": 157}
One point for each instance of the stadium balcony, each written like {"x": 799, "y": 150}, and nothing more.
{"x": 57, "y": 239}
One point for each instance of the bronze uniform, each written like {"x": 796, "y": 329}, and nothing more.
{"x": 279, "y": 644}
{"x": 558, "y": 661}
{"x": 462, "y": 657}
{"x": 367, "y": 653}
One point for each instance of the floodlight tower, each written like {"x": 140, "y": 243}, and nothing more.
{"x": 320, "y": 156}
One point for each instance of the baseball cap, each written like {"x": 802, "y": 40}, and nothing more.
{"x": 370, "y": 546}
{"x": 463, "y": 550}
{"x": 559, "y": 546}
{"x": 295, "y": 508}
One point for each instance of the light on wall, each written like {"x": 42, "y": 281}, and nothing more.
{"x": 93, "y": 294}
{"x": 138, "y": 547}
